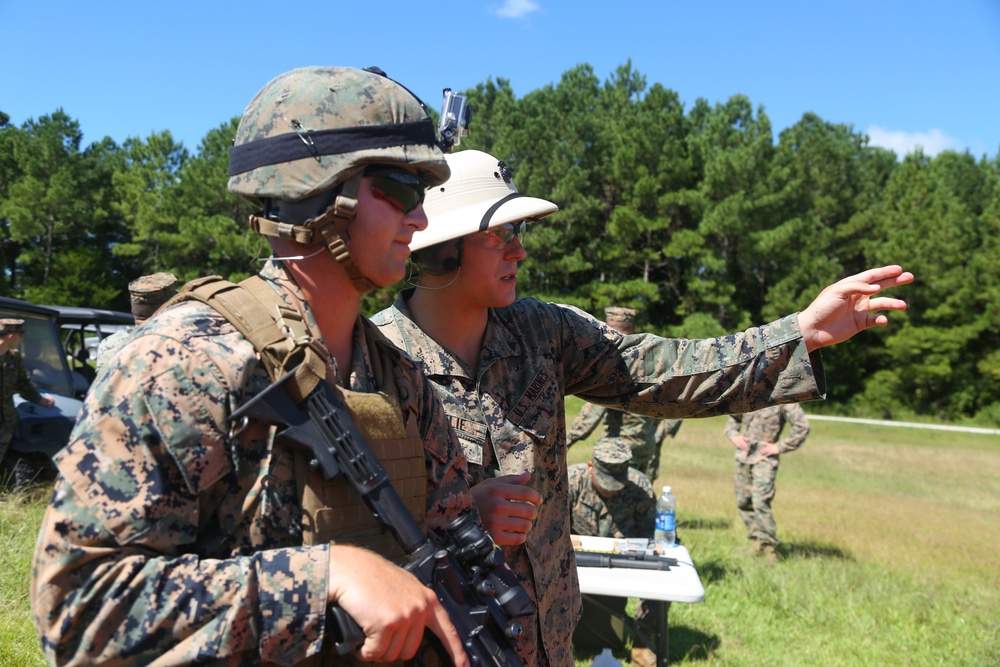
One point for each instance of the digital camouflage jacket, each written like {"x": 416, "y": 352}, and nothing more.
{"x": 645, "y": 435}
{"x": 169, "y": 540}
{"x": 630, "y": 512}
{"x": 765, "y": 426}
{"x": 510, "y": 415}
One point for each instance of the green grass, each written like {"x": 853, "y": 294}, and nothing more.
{"x": 20, "y": 516}
{"x": 889, "y": 553}
{"x": 888, "y": 556}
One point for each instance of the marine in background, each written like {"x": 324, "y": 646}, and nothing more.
{"x": 147, "y": 294}
{"x": 610, "y": 498}
{"x": 759, "y": 446}
{"x": 13, "y": 380}
{"x": 645, "y": 436}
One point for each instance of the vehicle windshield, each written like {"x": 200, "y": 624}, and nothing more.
{"x": 43, "y": 356}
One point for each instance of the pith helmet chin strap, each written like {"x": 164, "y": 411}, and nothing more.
{"x": 328, "y": 228}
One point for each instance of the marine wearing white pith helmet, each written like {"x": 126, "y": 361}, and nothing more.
{"x": 307, "y": 138}
{"x": 479, "y": 195}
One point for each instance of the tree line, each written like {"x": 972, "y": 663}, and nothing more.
{"x": 698, "y": 217}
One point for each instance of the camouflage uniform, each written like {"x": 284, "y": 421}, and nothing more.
{"x": 110, "y": 346}
{"x": 147, "y": 294}
{"x": 170, "y": 540}
{"x": 630, "y": 512}
{"x": 755, "y": 474}
{"x": 645, "y": 435}
{"x": 13, "y": 380}
{"x": 511, "y": 417}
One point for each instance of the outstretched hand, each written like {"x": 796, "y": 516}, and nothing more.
{"x": 508, "y": 507}
{"x": 847, "y": 307}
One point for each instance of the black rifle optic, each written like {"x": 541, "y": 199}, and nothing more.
{"x": 466, "y": 571}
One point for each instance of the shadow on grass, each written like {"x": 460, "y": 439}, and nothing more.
{"x": 707, "y": 524}
{"x": 713, "y": 571}
{"x": 789, "y": 550}
{"x": 691, "y": 644}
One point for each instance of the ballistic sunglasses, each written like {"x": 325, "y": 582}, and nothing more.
{"x": 501, "y": 235}
{"x": 401, "y": 189}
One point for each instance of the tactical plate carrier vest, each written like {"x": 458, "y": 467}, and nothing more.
{"x": 331, "y": 510}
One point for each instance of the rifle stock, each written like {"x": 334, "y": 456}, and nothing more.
{"x": 467, "y": 572}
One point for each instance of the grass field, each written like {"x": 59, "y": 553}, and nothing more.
{"x": 889, "y": 555}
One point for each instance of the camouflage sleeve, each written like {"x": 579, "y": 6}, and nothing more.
{"x": 97, "y": 601}
{"x": 25, "y": 387}
{"x": 128, "y": 566}
{"x": 575, "y": 474}
{"x": 796, "y": 418}
{"x": 676, "y": 378}
{"x": 586, "y": 421}
{"x": 733, "y": 424}
{"x": 447, "y": 468}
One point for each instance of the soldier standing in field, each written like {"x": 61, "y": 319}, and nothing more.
{"x": 503, "y": 367}
{"x": 13, "y": 380}
{"x": 645, "y": 435}
{"x": 758, "y": 450}
{"x": 178, "y": 536}
{"x": 147, "y": 293}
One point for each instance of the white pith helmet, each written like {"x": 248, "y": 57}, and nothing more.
{"x": 479, "y": 194}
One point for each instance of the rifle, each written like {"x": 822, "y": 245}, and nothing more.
{"x": 632, "y": 561}
{"x": 467, "y": 571}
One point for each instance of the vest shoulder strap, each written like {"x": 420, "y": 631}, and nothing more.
{"x": 277, "y": 332}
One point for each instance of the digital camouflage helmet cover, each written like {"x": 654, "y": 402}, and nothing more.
{"x": 307, "y": 137}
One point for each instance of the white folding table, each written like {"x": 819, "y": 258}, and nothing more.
{"x": 680, "y": 583}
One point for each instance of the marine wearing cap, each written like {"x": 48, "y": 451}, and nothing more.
{"x": 11, "y": 325}
{"x": 611, "y": 457}
{"x": 150, "y": 292}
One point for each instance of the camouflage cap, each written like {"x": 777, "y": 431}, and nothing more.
{"x": 153, "y": 289}
{"x": 611, "y": 457}
{"x": 618, "y": 314}
{"x": 11, "y": 325}
{"x": 312, "y": 128}
{"x": 150, "y": 292}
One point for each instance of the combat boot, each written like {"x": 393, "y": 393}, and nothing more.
{"x": 769, "y": 552}
{"x": 643, "y": 657}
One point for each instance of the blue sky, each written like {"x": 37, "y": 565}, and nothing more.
{"x": 914, "y": 72}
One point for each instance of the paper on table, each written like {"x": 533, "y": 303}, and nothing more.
{"x": 612, "y": 545}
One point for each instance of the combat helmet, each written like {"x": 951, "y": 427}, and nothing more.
{"x": 304, "y": 142}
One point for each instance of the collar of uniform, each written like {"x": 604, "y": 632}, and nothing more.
{"x": 433, "y": 357}
{"x": 498, "y": 343}
{"x": 359, "y": 378}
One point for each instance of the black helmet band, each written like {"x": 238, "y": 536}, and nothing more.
{"x": 298, "y": 145}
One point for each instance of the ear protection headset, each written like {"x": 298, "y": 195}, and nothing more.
{"x": 439, "y": 259}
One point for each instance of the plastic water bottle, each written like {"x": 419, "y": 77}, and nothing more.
{"x": 606, "y": 659}
{"x": 666, "y": 520}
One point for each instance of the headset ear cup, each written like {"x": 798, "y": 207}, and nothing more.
{"x": 438, "y": 260}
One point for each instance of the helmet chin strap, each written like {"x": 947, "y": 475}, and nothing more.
{"x": 328, "y": 228}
